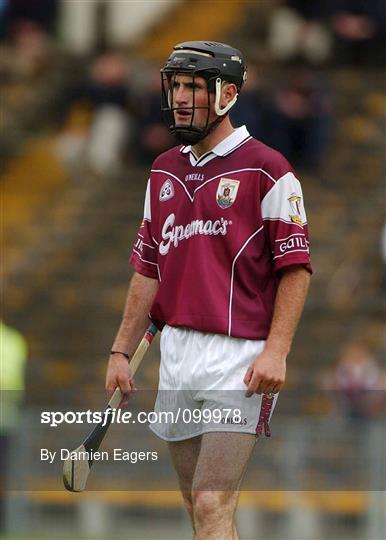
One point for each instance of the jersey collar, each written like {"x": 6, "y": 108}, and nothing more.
{"x": 227, "y": 145}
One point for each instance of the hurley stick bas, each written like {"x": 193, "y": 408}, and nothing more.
{"x": 76, "y": 468}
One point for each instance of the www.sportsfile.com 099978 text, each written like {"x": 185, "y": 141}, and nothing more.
{"x": 118, "y": 416}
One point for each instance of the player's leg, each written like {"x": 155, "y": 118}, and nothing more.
{"x": 220, "y": 468}
{"x": 184, "y": 456}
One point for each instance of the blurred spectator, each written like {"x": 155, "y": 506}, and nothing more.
{"x": 298, "y": 119}
{"x": 359, "y": 29}
{"x": 153, "y": 136}
{"x": 298, "y": 30}
{"x": 251, "y": 106}
{"x": 345, "y": 31}
{"x": 42, "y": 13}
{"x": 357, "y": 379}
{"x": 28, "y": 53}
{"x": 106, "y": 96}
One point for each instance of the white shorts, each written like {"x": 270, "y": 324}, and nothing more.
{"x": 201, "y": 386}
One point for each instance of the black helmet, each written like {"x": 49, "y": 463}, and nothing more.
{"x": 216, "y": 62}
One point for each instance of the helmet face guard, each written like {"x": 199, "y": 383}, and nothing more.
{"x": 185, "y": 133}
{"x": 217, "y": 64}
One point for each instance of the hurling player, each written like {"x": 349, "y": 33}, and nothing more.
{"x": 222, "y": 267}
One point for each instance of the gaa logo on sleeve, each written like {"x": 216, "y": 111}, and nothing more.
{"x": 227, "y": 192}
{"x": 167, "y": 191}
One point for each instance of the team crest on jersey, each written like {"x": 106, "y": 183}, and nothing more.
{"x": 167, "y": 191}
{"x": 295, "y": 201}
{"x": 227, "y": 192}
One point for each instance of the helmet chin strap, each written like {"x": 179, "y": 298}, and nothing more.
{"x": 218, "y": 110}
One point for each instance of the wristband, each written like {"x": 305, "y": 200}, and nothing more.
{"x": 119, "y": 352}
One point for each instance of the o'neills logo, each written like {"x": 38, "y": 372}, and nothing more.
{"x": 174, "y": 234}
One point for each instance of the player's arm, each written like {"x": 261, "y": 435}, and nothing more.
{"x": 135, "y": 321}
{"x": 267, "y": 373}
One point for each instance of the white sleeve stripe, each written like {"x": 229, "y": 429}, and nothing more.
{"x": 148, "y": 245}
{"x": 284, "y": 199}
{"x": 289, "y": 252}
{"x": 155, "y": 241}
{"x": 285, "y": 176}
{"x": 146, "y": 209}
{"x": 144, "y": 260}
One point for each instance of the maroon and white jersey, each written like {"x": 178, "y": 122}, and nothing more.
{"x": 216, "y": 232}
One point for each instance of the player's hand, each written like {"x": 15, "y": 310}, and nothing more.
{"x": 266, "y": 375}
{"x": 119, "y": 374}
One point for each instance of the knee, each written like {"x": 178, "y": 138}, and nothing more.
{"x": 206, "y": 504}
